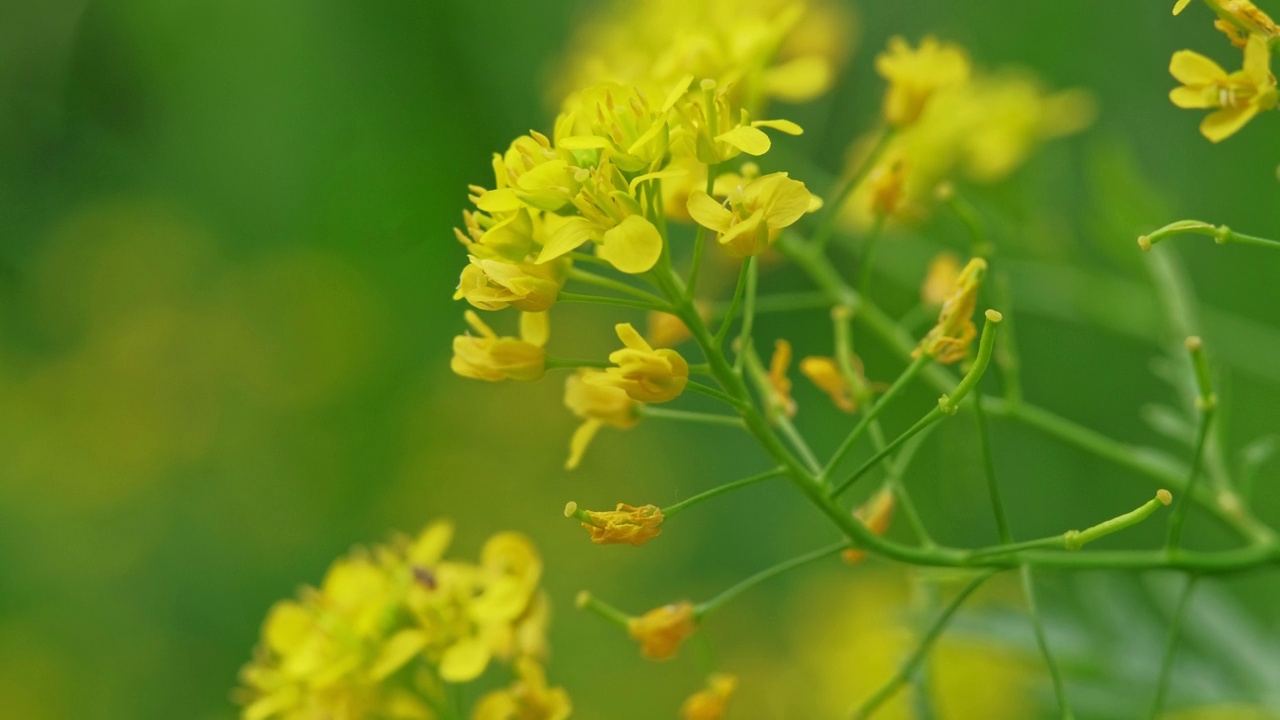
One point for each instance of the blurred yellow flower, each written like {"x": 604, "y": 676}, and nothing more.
{"x": 756, "y": 211}
{"x": 825, "y": 374}
{"x": 661, "y": 630}
{"x": 589, "y": 396}
{"x": 496, "y": 284}
{"x": 710, "y": 703}
{"x": 780, "y": 384}
{"x": 948, "y": 340}
{"x": 529, "y": 698}
{"x": 666, "y": 330}
{"x": 330, "y": 653}
{"x": 626, "y": 524}
{"x": 645, "y": 374}
{"x": 487, "y": 356}
{"x": 939, "y": 279}
{"x": 876, "y": 513}
{"x": 914, "y": 75}
{"x": 1239, "y": 95}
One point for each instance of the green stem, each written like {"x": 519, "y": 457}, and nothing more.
{"x": 1180, "y": 511}
{"x": 700, "y": 240}
{"x": 1221, "y": 235}
{"x": 1042, "y": 640}
{"x": 688, "y": 416}
{"x": 729, "y": 316}
{"x": 748, "y": 313}
{"x": 587, "y": 601}
{"x": 846, "y": 446}
{"x": 989, "y": 469}
{"x": 908, "y": 668}
{"x": 713, "y": 393}
{"x": 715, "y": 603}
{"x": 868, "y": 255}
{"x": 566, "y": 297}
{"x": 1170, "y": 647}
{"x": 779, "y": 303}
{"x": 831, "y": 217}
{"x": 1078, "y": 539}
{"x": 778, "y": 415}
{"x": 930, "y": 418}
{"x": 687, "y": 503}
{"x": 615, "y": 285}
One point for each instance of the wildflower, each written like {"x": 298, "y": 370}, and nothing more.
{"x": 915, "y": 75}
{"x": 666, "y": 329}
{"x": 876, "y": 513}
{"x": 661, "y": 630}
{"x": 710, "y": 703}
{"x": 1238, "y": 20}
{"x": 1239, "y": 95}
{"x": 617, "y": 120}
{"x": 721, "y": 133}
{"x": 626, "y": 524}
{"x": 887, "y": 181}
{"x": 493, "y": 358}
{"x": 939, "y": 279}
{"x": 645, "y": 374}
{"x": 756, "y": 211}
{"x": 825, "y": 373}
{"x": 948, "y": 341}
{"x": 611, "y": 216}
{"x": 496, "y": 284}
{"x": 780, "y": 398}
{"x": 589, "y": 396}
{"x": 528, "y": 698}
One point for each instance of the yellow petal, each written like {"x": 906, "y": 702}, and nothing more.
{"x": 464, "y": 661}
{"x": 1180, "y": 6}
{"x": 397, "y": 651}
{"x": 571, "y": 234}
{"x": 1192, "y": 68}
{"x": 677, "y": 92}
{"x": 288, "y": 625}
{"x": 630, "y": 338}
{"x": 799, "y": 80}
{"x": 1192, "y": 98}
{"x": 431, "y": 543}
{"x": 478, "y": 325}
{"x": 1220, "y": 125}
{"x": 582, "y": 142}
{"x": 498, "y": 201}
{"x": 1257, "y": 61}
{"x": 708, "y": 213}
{"x": 785, "y": 126}
{"x": 749, "y": 140}
{"x": 633, "y": 246}
{"x": 581, "y": 439}
{"x": 784, "y": 200}
{"x": 535, "y": 328}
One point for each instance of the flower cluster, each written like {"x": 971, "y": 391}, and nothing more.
{"x": 945, "y": 118}
{"x": 391, "y": 626}
{"x": 1235, "y": 97}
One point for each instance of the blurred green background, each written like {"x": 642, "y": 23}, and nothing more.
{"x": 225, "y": 275}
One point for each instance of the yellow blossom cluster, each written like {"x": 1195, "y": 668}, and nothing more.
{"x": 391, "y": 625}
{"x": 944, "y": 119}
{"x": 1235, "y": 97}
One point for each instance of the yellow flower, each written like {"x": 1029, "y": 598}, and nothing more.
{"x": 645, "y": 374}
{"x": 617, "y": 120}
{"x": 825, "y": 373}
{"x": 939, "y": 279}
{"x": 493, "y": 358}
{"x": 887, "y": 181}
{"x": 721, "y": 133}
{"x": 588, "y": 396}
{"x": 626, "y": 524}
{"x": 528, "y": 698}
{"x": 756, "y": 211}
{"x": 1239, "y": 19}
{"x": 781, "y": 398}
{"x": 611, "y": 216}
{"x": 948, "y": 341}
{"x": 1239, "y": 95}
{"x": 710, "y": 704}
{"x": 661, "y": 630}
{"x": 496, "y": 284}
{"x": 876, "y": 513}
{"x": 915, "y": 75}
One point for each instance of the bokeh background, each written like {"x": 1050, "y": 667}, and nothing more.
{"x": 225, "y": 275}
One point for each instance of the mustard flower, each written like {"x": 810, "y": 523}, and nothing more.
{"x": 529, "y": 698}
{"x": 914, "y": 75}
{"x": 661, "y": 631}
{"x": 876, "y": 513}
{"x": 710, "y": 703}
{"x": 1239, "y": 95}
{"x": 609, "y": 215}
{"x": 617, "y": 120}
{"x": 757, "y": 210}
{"x": 779, "y": 383}
{"x": 486, "y": 356}
{"x": 825, "y": 374}
{"x": 721, "y": 132}
{"x": 887, "y": 181}
{"x": 589, "y": 396}
{"x": 645, "y": 374}
{"x": 625, "y": 525}
{"x": 496, "y": 284}
{"x": 948, "y": 340}
{"x": 1239, "y": 19}
{"x": 939, "y": 279}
